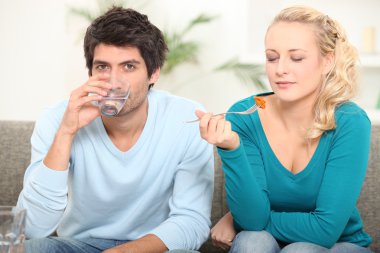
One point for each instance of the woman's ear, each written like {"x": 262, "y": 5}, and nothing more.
{"x": 329, "y": 62}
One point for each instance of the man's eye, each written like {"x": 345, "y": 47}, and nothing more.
{"x": 101, "y": 67}
{"x": 129, "y": 67}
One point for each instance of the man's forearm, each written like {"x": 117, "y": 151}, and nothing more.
{"x": 146, "y": 244}
{"x": 59, "y": 153}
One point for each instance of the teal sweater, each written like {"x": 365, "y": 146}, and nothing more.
{"x": 317, "y": 205}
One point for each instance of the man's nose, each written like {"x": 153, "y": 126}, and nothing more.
{"x": 116, "y": 79}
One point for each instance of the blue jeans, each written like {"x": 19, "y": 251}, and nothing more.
{"x": 69, "y": 245}
{"x": 264, "y": 242}
{"x": 182, "y": 251}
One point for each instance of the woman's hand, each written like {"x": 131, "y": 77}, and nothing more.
{"x": 223, "y": 233}
{"x": 80, "y": 111}
{"x": 217, "y": 131}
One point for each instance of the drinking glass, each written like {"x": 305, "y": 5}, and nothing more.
{"x": 114, "y": 101}
{"x": 12, "y": 229}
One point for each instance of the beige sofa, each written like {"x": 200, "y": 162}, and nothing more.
{"x": 15, "y": 157}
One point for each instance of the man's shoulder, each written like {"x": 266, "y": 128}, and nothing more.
{"x": 53, "y": 113}
{"x": 168, "y": 99}
{"x": 172, "y": 111}
{"x": 49, "y": 121}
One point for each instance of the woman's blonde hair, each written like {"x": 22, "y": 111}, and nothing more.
{"x": 340, "y": 84}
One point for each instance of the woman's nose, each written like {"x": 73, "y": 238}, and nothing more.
{"x": 282, "y": 67}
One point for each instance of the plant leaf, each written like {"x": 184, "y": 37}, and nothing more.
{"x": 84, "y": 13}
{"x": 247, "y": 73}
{"x": 180, "y": 52}
{"x": 200, "y": 19}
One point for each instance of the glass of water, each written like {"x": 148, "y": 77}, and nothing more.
{"x": 12, "y": 229}
{"x": 111, "y": 104}
{"x": 115, "y": 100}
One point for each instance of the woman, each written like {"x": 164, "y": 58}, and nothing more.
{"x": 294, "y": 170}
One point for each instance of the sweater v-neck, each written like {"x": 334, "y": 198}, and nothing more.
{"x": 147, "y": 130}
{"x": 314, "y": 158}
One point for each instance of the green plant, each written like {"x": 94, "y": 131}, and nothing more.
{"x": 102, "y": 6}
{"x": 181, "y": 50}
{"x": 247, "y": 73}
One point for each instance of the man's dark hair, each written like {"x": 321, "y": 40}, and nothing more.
{"x": 126, "y": 27}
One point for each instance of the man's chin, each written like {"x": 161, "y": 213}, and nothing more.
{"x": 124, "y": 112}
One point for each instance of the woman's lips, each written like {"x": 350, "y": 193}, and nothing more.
{"x": 284, "y": 84}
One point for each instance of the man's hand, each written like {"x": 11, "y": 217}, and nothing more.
{"x": 146, "y": 244}
{"x": 80, "y": 112}
{"x": 223, "y": 233}
{"x": 217, "y": 131}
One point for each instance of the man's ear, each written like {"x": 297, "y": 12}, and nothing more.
{"x": 154, "y": 77}
{"x": 329, "y": 62}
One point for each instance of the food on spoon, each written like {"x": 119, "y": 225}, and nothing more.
{"x": 260, "y": 102}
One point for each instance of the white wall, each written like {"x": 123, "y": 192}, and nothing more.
{"x": 42, "y": 56}
{"x": 352, "y": 14}
{"x": 32, "y": 57}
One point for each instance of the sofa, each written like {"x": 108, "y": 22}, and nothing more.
{"x": 15, "y": 157}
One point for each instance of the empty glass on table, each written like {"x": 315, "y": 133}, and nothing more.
{"x": 12, "y": 229}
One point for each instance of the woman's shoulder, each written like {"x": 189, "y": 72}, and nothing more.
{"x": 349, "y": 113}
{"x": 350, "y": 110}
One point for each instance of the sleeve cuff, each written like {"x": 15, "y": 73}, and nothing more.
{"x": 235, "y": 153}
{"x": 50, "y": 178}
{"x": 172, "y": 236}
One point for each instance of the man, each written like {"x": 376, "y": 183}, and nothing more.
{"x": 140, "y": 181}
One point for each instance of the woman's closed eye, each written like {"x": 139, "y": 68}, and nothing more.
{"x": 297, "y": 59}
{"x": 272, "y": 59}
{"x": 293, "y": 58}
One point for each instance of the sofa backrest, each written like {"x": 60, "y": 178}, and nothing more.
{"x": 369, "y": 201}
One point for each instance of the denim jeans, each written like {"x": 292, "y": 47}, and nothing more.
{"x": 264, "y": 242}
{"x": 69, "y": 245}
{"x": 181, "y": 251}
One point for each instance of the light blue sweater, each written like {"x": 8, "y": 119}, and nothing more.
{"x": 163, "y": 185}
{"x": 317, "y": 205}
